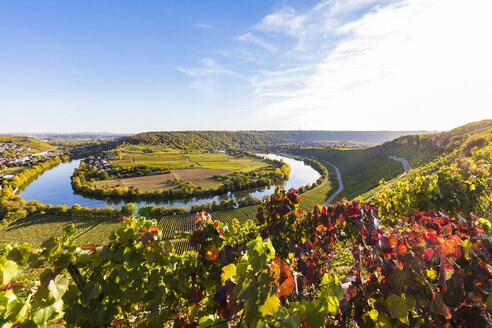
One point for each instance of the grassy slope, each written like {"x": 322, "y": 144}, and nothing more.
{"x": 321, "y": 193}
{"x": 36, "y": 145}
{"x": 361, "y": 169}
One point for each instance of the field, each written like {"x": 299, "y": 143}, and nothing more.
{"x": 149, "y": 182}
{"x": 152, "y": 156}
{"x": 199, "y": 177}
{"x": 195, "y": 167}
{"x": 175, "y": 159}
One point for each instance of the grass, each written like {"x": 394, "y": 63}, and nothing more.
{"x": 209, "y": 157}
{"x": 415, "y": 155}
{"x": 152, "y": 156}
{"x": 221, "y": 161}
{"x": 321, "y": 193}
{"x": 361, "y": 169}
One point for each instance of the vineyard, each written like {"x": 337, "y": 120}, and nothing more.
{"x": 338, "y": 266}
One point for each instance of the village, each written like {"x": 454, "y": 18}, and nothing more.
{"x": 16, "y": 158}
{"x": 101, "y": 163}
{"x": 12, "y": 148}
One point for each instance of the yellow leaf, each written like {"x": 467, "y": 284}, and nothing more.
{"x": 229, "y": 272}
{"x": 431, "y": 274}
{"x": 373, "y": 314}
{"x": 271, "y": 305}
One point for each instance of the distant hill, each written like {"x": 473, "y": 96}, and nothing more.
{"x": 36, "y": 145}
{"x": 225, "y": 139}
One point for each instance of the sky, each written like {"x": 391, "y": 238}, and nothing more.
{"x": 131, "y": 66}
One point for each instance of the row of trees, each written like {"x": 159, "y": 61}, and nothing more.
{"x": 33, "y": 172}
{"x": 89, "y": 172}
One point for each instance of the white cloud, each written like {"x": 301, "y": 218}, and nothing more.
{"x": 285, "y": 20}
{"x": 204, "y": 26}
{"x": 209, "y": 67}
{"x": 248, "y": 37}
{"x": 410, "y": 65}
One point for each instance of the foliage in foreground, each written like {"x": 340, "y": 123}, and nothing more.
{"x": 435, "y": 271}
{"x": 461, "y": 188}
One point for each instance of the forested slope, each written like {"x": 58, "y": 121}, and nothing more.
{"x": 251, "y": 139}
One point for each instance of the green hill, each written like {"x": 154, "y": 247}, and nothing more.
{"x": 226, "y": 139}
{"x": 36, "y": 145}
{"x": 363, "y": 169}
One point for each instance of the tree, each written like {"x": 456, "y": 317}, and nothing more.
{"x": 129, "y": 209}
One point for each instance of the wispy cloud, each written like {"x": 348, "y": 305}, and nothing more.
{"x": 285, "y": 20}
{"x": 205, "y": 76}
{"x": 405, "y": 65}
{"x": 208, "y": 67}
{"x": 248, "y": 37}
{"x": 204, "y": 26}
{"x": 360, "y": 64}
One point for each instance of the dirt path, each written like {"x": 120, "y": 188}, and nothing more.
{"x": 340, "y": 184}
{"x": 188, "y": 158}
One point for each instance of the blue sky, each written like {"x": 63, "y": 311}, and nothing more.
{"x": 132, "y": 66}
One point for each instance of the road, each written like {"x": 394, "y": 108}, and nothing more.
{"x": 406, "y": 166}
{"x": 404, "y": 162}
{"x": 340, "y": 184}
{"x": 188, "y": 158}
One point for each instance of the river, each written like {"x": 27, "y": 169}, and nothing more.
{"x": 53, "y": 187}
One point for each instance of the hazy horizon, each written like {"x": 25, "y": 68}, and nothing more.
{"x": 18, "y": 133}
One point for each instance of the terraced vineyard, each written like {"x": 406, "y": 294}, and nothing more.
{"x": 171, "y": 225}
{"x": 182, "y": 245}
{"x": 38, "y": 228}
{"x": 99, "y": 233}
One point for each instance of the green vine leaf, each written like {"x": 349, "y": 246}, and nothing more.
{"x": 9, "y": 271}
{"x": 398, "y": 307}
{"x": 58, "y": 286}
